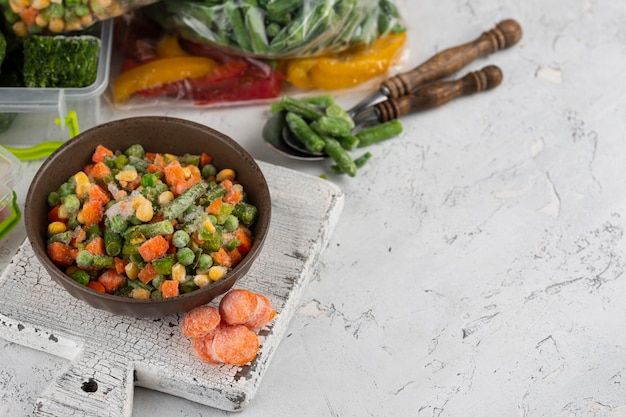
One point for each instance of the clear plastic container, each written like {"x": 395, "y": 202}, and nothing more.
{"x": 56, "y": 114}
{"x": 10, "y": 174}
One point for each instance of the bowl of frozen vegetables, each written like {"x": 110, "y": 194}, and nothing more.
{"x": 148, "y": 216}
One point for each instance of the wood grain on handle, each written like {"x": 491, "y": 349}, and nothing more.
{"x": 439, "y": 93}
{"x": 505, "y": 34}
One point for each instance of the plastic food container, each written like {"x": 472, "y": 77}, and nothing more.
{"x": 10, "y": 174}
{"x": 56, "y": 114}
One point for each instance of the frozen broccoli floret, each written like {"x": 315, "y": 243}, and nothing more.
{"x": 60, "y": 61}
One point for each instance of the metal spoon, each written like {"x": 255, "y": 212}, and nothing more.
{"x": 279, "y": 136}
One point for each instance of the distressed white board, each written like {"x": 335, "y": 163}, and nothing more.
{"x": 118, "y": 352}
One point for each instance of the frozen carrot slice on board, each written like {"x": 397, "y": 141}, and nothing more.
{"x": 200, "y": 321}
{"x": 238, "y": 306}
{"x": 235, "y": 345}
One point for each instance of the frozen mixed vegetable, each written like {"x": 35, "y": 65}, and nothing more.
{"x": 60, "y": 61}
{"x": 149, "y": 225}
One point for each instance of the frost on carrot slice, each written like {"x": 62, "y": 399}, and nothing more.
{"x": 169, "y": 288}
{"x": 153, "y": 248}
{"x": 200, "y": 321}
{"x": 203, "y": 346}
{"x": 263, "y": 313}
{"x": 238, "y": 306}
{"x": 235, "y": 345}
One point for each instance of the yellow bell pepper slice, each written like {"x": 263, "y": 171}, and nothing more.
{"x": 158, "y": 72}
{"x": 347, "y": 69}
{"x": 170, "y": 48}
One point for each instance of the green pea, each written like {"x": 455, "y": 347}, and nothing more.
{"x": 54, "y": 199}
{"x": 180, "y": 239}
{"x": 231, "y": 223}
{"x": 135, "y": 150}
{"x": 72, "y": 203}
{"x": 156, "y": 282}
{"x": 185, "y": 256}
{"x": 208, "y": 170}
{"x": 204, "y": 262}
{"x": 66, "y": 188}
{"x": 80, "y": 276}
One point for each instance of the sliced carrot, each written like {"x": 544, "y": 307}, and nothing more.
{"x": 235, "y": 345}
{"x": 203, "y": 346}
{"x": 200, "y": 321}
{"x": 100, "y": 153}
{"x": 96, "y": 286}
{"x": 263, "y": 313}
{"x": 61, "y": 254}
{"x": 96, "y": 193}
{"x": 147, "y": 273}
{"x": 99, "y": 170}
{"x": 169, "y": 288}
{"x": 92, "y": 212}
{"x": 153, "y": 248}
{"x": 243, "y": 235}
{"x": 96, "y": 246}
{"x": 111, "y": 280}
{"x": 215, "y": 207}
{"x": 238, "y": 306}
{"x": 222, "y": 257}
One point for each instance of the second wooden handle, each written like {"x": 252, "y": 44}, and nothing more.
{"x": 438, "y": 93}
{"x": 447, "y": 62}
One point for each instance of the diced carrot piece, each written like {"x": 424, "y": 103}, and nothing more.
{"x": 92, "y": 212}
{"x": 169, "y": 288}
{"x": 61, "y": 254}
{"x": 174, "y": 173}
{"x": 96, "y": 246}
{"x": 215, "y": 207}
{"x": 233, "y": 195}
{"x": 100, "y": 153}
{"x": 87, "y": 169}
{"x": 96, "y": 286}
{"x": 147, "y": 273}
{"x": 120, "y": 265}
{"x": 243, "y": 235}
{"x": 228, "y": 184}
{"x": 222, "y": 257}
{"x": 111, "y": 280}
{"x": 153, "y": 248}
{"x": 96, "y": 193}
{"x": 150, "y": 156}
{"x": 99, "y": 170}
{"x": 29, "y": 15}
{"x": 205, "y": 159}
{"x": 235, "y": 257}
{"x": 53, "y": 215}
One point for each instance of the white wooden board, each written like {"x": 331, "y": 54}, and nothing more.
{"x": 111, "y": 354}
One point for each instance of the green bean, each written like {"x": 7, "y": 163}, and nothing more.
{"x": 359, "y": 162}
{"x": 140, "y": 164}
{"x": 72, "y": 203}
{"x": 157, "y": 281}
{"x": 245, "y": 212}
{"x": 183, "y": 201}
{"x": 137, "y": 284}
{"x": 113, "y": 242}
{"x": 305, "y": 110}
{"x": 103, "y": 262}
{"x": 93, "y": 231}
{"x": 117, "y": 223}
{"x": 185, "y": 256}
{"x": 189, "y": 159}
{"x": 379, "y": 133}
{"x": 256, "y": 29}
{"x": 340, "y": 156}
{"x": 163, "y": 265}
{"x": 135, "y": 150}
{"x": 323, "y": 100}
{"x": 283, "y": 6}
{"x": 63, "y": 237}
{"x": 237, "y": 24}
{"x": 331, "y": 126}
{"x": 338, "y": 112}
{"x": 304, "y": 133}
{"x": 349, "y": 142}
{"x": 188, "y": 285}
{"x": 162, "y": 228}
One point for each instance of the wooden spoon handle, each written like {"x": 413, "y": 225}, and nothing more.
{"x": 505, "y": 34}
{"x": 439, "y": 93}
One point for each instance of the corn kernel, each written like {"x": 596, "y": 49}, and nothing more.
{"x": 217, "y": 272}
{"x": 209, "y": 226}
{"x": 82, "y": 184}
{"x": 127, "y": 175}
{"x": 179, "y": 272}
{"x": 225, "y": 174}
{"x": 56, "y": 227}
{"x": 166, "y": 197}
{"x": 137, "y": 240}
{"x": 41, "y": 21}
{"x": 63, "y": 213}
{"x": 40, "y": 4}
{"x": 201, "y": 280}
{"x": 145, "y": 212}
{"x": 140, "y": 294}
{"x": 186, "y": 173}
{"x": 132, "y": 270}
{"x": 56, "y": 25}
{"x": 80, "y": 217}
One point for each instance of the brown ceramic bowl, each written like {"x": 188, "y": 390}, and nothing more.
{"x": 156, "y": 134}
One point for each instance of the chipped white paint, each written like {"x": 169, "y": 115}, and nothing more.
{"x": 107, "y": 352}
{"x": 553, "y": 75}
